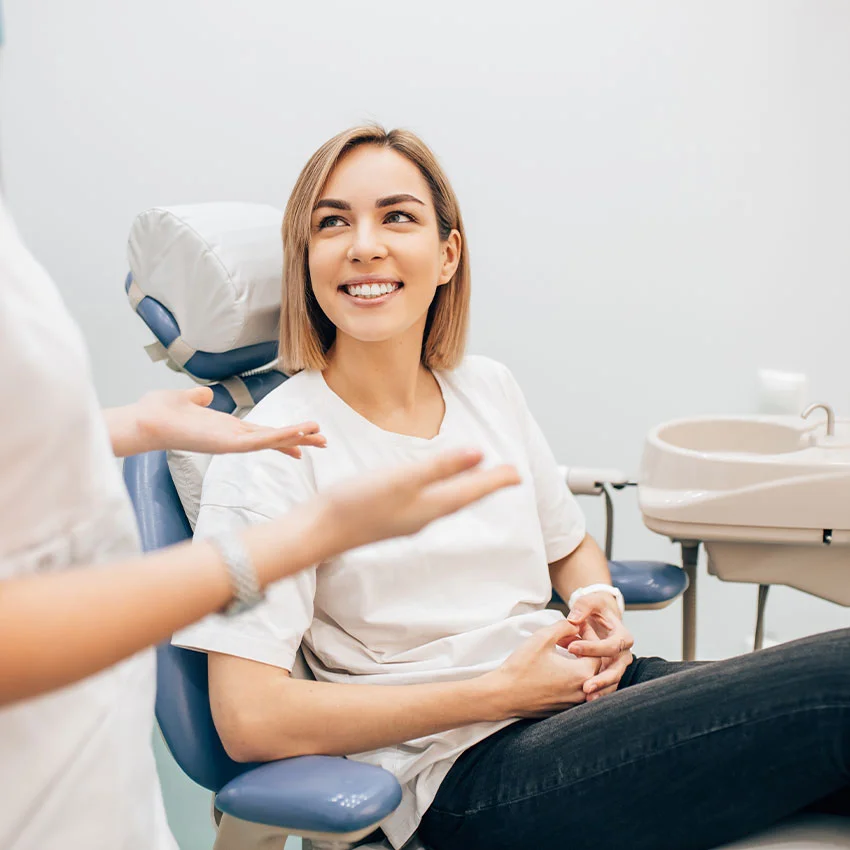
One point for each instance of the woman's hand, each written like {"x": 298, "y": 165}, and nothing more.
{"x": 181, "y": 419}
{"x": 603, "y": 636}
{"x": 538, "y": 680}
{"x": 404, "y": 500}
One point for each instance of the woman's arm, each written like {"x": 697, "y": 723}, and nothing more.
{"x": 584, "y": 566}
{"x": 181, "y": 419}
{"x": 59, "y": 627}
{"x": 262, "y": 714}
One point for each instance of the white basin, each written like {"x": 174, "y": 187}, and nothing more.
{"x": 768, "y": 495}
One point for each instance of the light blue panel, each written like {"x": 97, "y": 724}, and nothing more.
{"x": 187, "y": 805}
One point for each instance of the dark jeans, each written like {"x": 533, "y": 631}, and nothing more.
{"x": 683, "y": 756}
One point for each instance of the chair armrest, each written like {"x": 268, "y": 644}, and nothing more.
{"x": 586, "y": 481}
{"x": 312, "y": 794}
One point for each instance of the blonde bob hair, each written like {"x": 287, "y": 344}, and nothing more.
{"x": 306, "y": 333}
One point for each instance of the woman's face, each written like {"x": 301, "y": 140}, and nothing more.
{"x": 375, "y": 254}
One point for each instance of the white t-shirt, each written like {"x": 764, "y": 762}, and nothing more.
{"x": 76, "y": 765}
{"x": 449, "y": 603}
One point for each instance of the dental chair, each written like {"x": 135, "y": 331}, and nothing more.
{"x": 205, "y": 279}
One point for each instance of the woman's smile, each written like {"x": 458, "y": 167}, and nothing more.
{"x": 369, "y": 291}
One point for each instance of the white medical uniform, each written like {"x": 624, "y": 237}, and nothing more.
{"x": 76, "y": 766}
{"x": 449, "y": 603}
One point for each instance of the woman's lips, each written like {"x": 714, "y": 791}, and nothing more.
{"x": 359, "y": 297}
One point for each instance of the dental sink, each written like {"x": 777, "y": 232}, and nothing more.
{"x": 769, "y": 496}
{"x": 733, "y": 436}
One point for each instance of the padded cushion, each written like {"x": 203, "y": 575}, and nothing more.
{"x": 312, "y": 794}
{"x": 215, "y": 269}
{"x": 644, "y": 582}
{"x": 648, "y": 582}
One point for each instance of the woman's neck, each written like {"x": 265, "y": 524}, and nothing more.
{"x": 386, "y": 383}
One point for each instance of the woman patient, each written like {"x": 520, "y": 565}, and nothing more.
{"x": 434, "y": 655}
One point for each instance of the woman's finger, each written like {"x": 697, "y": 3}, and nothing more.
{"x": 610, "y": 676}
{"x": 561, "y": 633}
{"x": 583, "y": 608}
{"x": 619, "y": 641}
{"x": 611, "y": 689}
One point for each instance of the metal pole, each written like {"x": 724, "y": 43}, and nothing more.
{"x": 759, "y": 638}
{"x": 690, "y": 554}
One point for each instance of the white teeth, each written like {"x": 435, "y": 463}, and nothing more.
{"x": 371, "y": 290}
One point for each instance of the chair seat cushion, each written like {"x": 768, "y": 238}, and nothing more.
{"x": 648, "y": 582}
{"x": 644, "y": 582}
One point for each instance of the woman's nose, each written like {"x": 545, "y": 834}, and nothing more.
{"x": 366, "y": 246}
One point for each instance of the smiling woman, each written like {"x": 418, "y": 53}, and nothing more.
{"x": 436, "y": 657}
{"x": 373, "y": 209}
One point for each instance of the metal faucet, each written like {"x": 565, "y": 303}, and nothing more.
{"x": 830, "y": 416}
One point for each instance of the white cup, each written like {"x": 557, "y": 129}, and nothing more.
{"x": 782, "y": 392}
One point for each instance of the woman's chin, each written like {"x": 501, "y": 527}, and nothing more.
{"x": 373, "y": 332}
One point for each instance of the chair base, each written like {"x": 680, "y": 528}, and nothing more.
{"x": 236, "y": 834}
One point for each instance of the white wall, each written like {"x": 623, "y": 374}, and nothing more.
{"x": 656, "y": 193}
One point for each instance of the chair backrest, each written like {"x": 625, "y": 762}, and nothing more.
{"x": 205, "y": 279}
{"x": 182, "y": 694}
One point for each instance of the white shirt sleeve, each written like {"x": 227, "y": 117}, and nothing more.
{"x": 239, "y": 491}
{"x": 561, "y": 518}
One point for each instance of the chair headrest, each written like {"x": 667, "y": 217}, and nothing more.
{"x": 206, "y": 279}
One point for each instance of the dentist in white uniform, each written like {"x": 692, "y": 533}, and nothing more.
{"x": 80, "y": 607}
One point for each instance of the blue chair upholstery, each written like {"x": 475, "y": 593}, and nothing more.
{"x": 206, "y": 365}
{"x": 305, "y": 794}
{"x": 644, "y": 584}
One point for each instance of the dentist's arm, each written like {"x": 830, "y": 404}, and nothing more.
{"x": 182, "y": 419}
{"x": 60, "y": 627}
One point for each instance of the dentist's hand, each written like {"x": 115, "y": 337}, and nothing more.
{"x": 603, "y": 636}
{"x": 401, "y": 501}
{"x": 181, "y": 419}
{"x": 537, "y": 680}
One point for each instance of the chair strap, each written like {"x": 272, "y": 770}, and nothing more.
{"x": 239, "y": 392}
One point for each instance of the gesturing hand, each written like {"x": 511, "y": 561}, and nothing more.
{"x": 403, "y": 500}
{"x": 603, "y": 636}
{"x": 181, "y": 419}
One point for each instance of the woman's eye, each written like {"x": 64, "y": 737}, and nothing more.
{"x": 398, "y": 217}
{"x": 331, "y": 221}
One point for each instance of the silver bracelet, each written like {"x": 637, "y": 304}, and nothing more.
{"x": 243, "y": 577}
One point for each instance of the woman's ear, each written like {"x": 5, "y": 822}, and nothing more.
{"x": 451, "y": 249}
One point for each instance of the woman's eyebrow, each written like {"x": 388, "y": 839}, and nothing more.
{"x": 333, "y": 203}
{"x": 389, "y": 201}
{"x": 392, "y": 200}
